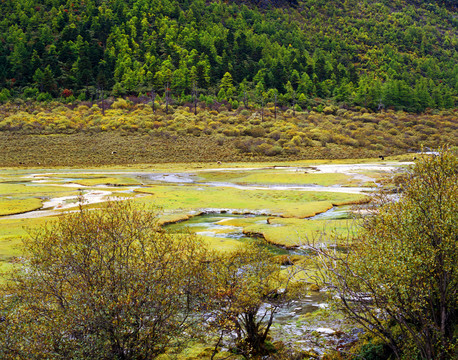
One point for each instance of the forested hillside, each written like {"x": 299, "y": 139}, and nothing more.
{"x": 372, "y": 53}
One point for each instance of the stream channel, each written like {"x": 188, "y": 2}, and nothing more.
{"x": 300, "y": 324}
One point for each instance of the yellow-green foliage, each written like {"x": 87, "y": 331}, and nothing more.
{"x": 121, "y": 104}
{"x": 406, "y": 254}
{"x": 131, "y": 260}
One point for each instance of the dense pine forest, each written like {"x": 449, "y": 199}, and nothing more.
{"x": 377, "y": 54}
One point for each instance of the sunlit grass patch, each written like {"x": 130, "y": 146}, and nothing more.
{"x": 283, "y": 177}
{"x": 307, "y": 210}
{"x": 29, "y": 190}
{"x": 90, "y": 179}
{"x": 221, "y": 244}
{"x": 276, "y": 202}
{"x": 293, "y": 232}
{"x": 16, "y": 206}
{"x": 119, "y": 194}
{"x": 243, "y": 222}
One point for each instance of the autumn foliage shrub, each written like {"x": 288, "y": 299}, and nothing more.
{"x": 406, "y": 298}
{"x": 107, "y": 283}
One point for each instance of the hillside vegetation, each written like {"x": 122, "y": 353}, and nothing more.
{"x": 126, "y": 132}
{"x": 375, "y": 54}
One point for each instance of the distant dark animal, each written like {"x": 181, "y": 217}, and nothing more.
{"x": 114, "y": 152}
{"x": 381, "y": 157}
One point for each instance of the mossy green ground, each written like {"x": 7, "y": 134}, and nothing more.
{"x": 91, "y": 179}
{"x": 292, "y": 232}
{"x": 23, "y": 190}
{"x": 19, "y": 198}
{"x": 199, "y": 351}
{"x": 94, "y": 180}
{"x": 15, "y": 206}
{"x": 285, "y": 203}
{"x": 221, "y": 244}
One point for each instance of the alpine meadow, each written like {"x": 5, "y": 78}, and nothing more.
{"x": 212, "y": 180}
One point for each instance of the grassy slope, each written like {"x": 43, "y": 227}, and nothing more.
{"x": 86, "y": 149}
{"x": 97, "y": 149}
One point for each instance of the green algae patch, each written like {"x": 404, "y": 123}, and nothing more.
{"x": 281, "y": 176}
{"x": 310, "y": 209}
{"x": 286, "y": 203}
{"x": 17, "y": 206}
{"x": 21, "y": 189}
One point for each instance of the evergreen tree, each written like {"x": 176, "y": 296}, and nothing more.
{"x": 227, "y": 86}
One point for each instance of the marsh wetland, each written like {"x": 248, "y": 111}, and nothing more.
{"x": 280, "y": 205}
